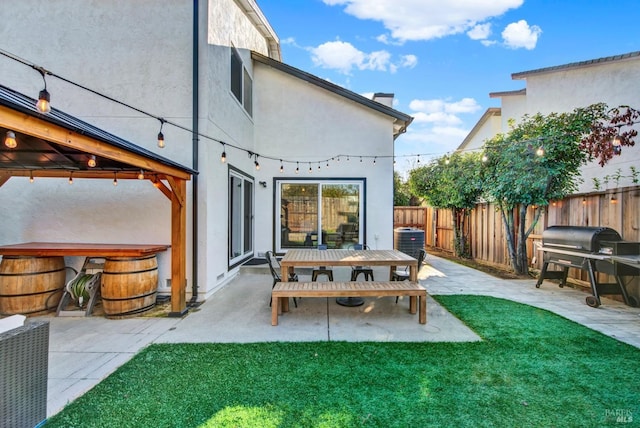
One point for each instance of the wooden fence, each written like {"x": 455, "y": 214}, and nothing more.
{"x": 619, "y": 210}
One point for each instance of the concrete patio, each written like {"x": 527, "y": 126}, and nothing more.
{"x": 83, "y": 351}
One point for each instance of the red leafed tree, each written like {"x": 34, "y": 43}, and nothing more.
{"x": 608, "y": 136}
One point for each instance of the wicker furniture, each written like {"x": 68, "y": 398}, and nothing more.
{"x": 24, "y": 368}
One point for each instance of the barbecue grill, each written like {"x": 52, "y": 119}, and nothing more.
{"x": 594, "y": 249}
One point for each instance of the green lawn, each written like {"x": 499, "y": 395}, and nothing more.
{"x": 533, "y": 369}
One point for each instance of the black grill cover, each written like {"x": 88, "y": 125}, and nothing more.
{"x": 578, "y": 238}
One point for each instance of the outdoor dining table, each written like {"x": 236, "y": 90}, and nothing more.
{"x": 310, "y": 257}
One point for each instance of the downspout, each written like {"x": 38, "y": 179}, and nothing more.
{"x": 194, "y": 143}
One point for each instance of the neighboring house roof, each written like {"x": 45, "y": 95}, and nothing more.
{"x": 402, "y": 120}
{"x": 573, "y": 65}
{"x": 508, "y": 93}
{"x": 490, "y": 112}
{"x": 253, "y": 12}
{"x": 26, "y": 105}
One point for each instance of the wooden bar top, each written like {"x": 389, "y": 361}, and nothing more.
{"x": 52, "y": 249}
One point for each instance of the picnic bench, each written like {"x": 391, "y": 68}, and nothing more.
{"x": 282, "y": 291}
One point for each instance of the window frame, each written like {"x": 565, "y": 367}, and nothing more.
{"x": 241, "y": 82}
{"x": 278, "y": 182}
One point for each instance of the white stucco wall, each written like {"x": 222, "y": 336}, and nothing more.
{"x": 614, "y": 83}
{"x": 136, "y": 52}
{"x": 140, "y": 53}
{"x": 489, "y": 125}
{"x": 297, "y": 121}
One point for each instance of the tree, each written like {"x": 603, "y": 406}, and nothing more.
{"x": 401, "y": 194}
{"x": 454, "y": 183}
{"x": 539, "y": 160}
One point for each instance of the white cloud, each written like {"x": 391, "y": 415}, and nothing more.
{"x": 521, "y": 35}
{"x": 344, "y": 57}
{"x": 409, "y": 61}
{"x": 436, "y": 117}
{"x": 426, "y": 19}
{"x": 465, "y": 105}
{"x": 480, "y": 32}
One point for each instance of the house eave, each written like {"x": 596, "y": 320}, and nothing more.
{"x": 575, "y": 65}
{"x": 401, "y": 120}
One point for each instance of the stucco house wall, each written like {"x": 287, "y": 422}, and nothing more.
{"x": 325, "y": 125}
{"x": 563, "y": 88}
{"x": 141, "y": 53}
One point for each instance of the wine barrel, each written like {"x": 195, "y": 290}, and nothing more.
{"x": 129, "y": 285}
{"x": 30, "y": 285}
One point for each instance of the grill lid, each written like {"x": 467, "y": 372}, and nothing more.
{"x": 578, "y": 238}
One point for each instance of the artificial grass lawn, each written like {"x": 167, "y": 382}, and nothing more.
{"x": 533, "y": 368}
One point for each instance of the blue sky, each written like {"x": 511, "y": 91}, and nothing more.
{"x": 442, "y": 58}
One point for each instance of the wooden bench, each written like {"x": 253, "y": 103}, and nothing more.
{"x": 284, "y": 290}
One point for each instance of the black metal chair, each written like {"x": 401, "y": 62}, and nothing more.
{"x": 367, "y": 271}
{"x": 404, "y": 274}
{"x": 322, "y": 270}
{"x": 274, "y": 267}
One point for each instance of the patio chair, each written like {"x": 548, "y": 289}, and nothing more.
{"x": 403, "y": 274}
{"x": 322, "y": 270}
{"x": 274, "y": 267}
{"x": 367, "y": 271}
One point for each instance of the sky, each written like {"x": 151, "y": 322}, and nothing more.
{"x": 442, "y": 58}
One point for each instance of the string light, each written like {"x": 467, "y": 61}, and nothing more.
{"x": 257, "y": 164}
{"x": 70, "y": 177}
{"x": 310, "y": 171}
{"x": 160, "y": 134}
{"x": 30, "y": 176}
{"x": 115, "y": 178}
{"x": 540, "y": 151}
{"x": 10, "y": 140}
{"x": 281, "y": 167}
{"x": 91, "y": 163}
{"x": 617, "y": 143}
{"x": 485, "y": 158}
{"x": 44, "y": 98}
{"x": 223, "y": 157}
{"x": 297, "y": 168}
{"x": 141, "y": 175}
{"x": 43, "y": 105}
{"x": 374, "y": 160}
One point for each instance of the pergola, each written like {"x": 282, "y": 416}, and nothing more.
{"x": 59, "y": 145}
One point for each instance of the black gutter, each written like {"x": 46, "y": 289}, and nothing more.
{"x": 194, "y": 143}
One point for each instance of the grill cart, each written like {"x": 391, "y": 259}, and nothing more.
{"x": 594, "y": 249}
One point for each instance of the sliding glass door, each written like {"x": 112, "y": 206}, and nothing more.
{"x": 240, "y": 216}
{"x": 312, "y": 212}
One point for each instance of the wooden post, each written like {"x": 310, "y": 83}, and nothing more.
{"x": 178, "y": 247}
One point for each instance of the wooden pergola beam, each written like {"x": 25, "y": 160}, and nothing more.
{"x": 27, "y": 124}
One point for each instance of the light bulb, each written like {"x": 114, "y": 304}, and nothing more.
{"x": 10, "y": 140}
{"x": 141, "y": 175}
{"x": 91, "y": 163}
{"x": 43, "y": 105}
{"x": 223, "y": 158}
{"x": 161, "y": 140}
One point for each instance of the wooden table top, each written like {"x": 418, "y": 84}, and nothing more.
{"x": 51, "y": 249}
{"x": 314, "y": 257}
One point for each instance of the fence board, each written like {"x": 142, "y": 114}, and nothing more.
{"x": 487, "y": 236}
